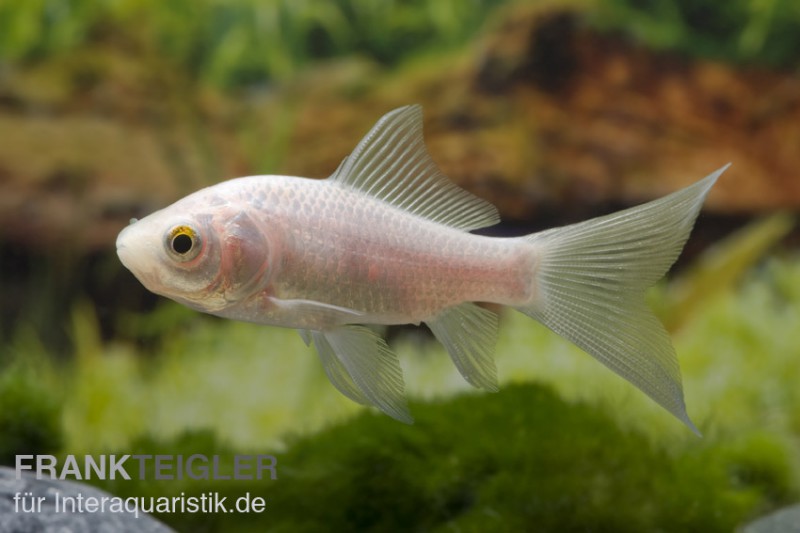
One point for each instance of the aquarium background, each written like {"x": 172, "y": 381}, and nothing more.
{"x": 554, "y": 110}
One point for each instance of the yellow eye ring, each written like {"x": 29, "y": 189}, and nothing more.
{"x": 183, "y": 243}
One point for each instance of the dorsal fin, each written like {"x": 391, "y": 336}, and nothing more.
{"x": 392, "y": 164}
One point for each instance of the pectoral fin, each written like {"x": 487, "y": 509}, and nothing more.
{"x": 469, "y": 333}
{"x": 361, "y": 365}
{"x": 320, "y": 315}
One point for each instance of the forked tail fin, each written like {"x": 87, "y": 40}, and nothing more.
{"x": 590, "y": 281}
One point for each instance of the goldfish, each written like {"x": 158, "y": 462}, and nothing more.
{"x": 387, "y": 239}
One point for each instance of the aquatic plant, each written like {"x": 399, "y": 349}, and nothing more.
{"x": 737, "y": 31}
{"x": 238, "y": 42}
{"x": 244, "y": 42}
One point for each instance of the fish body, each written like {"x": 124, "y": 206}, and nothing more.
{"x": 388, "y": 266}
{"x": 386, "y": 240}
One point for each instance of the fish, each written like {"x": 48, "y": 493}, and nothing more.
{"x": 387, "y": 239}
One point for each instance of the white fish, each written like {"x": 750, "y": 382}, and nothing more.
{"x": 385, "y": 240}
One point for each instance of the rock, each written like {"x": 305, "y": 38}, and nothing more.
{"x": 49, "y": 520}
{"x": 781, "y": 521}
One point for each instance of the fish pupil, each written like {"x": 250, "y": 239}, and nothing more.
{"x": 182, "y": 243}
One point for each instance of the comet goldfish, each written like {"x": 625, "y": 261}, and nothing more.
{"x": 386, "y": 240}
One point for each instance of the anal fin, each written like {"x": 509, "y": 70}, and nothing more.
{"x": 469, "y": 333}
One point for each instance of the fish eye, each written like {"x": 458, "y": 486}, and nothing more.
{"x": 183, "y": 243}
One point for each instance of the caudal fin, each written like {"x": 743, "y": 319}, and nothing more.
{"x": 590, "y": 282}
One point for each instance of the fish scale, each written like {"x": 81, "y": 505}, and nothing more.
{"x": 385, "y": 240}
{"x": 423, "y": 267}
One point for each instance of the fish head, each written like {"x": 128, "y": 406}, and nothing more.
{"x": 208, "y": 257}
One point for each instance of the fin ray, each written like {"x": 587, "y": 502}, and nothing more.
{"x": 391, "y": 163}
{"x": 336, "y": 372}
{"x": 320, "y": 314}
{"x": 469, "y": 333}
{"x": 361, "y": 364}
{"x": 590, "y": 283}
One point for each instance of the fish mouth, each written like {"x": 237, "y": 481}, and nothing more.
{"x": 133, "y": 259}
{"x": 132, "y": 262}
{"x": 124, "y": 255}
{"x": 124, "y": 252}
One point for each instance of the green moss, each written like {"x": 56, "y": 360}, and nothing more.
{"x": 522, "y": 459}
{"x": 30, "y": 414}
{"x": 519, "y": 460}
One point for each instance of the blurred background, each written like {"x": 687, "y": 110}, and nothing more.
{"x": 554, "y": 110}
